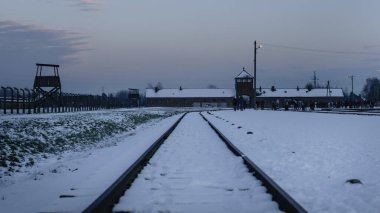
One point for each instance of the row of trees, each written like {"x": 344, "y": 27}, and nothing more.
{"x": 371, "y": 90}
{"x": 125, "y": 98}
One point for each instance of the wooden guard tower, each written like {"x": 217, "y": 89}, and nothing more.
{"x": 244, "y": 86}
{"x": 47, "y": 88}
{"x": 134, "y": 97}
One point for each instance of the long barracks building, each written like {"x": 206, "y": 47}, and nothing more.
{"x": 243, "y": 87}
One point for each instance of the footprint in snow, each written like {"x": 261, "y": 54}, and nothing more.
{"x": 354, "y": 181}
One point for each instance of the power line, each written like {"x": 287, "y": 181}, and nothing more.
{"x": 321, "y": 50}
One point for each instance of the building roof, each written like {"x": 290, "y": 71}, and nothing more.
{"x": 227, "y": 93}
{"x": 244, "y": 74}
{"x": 190, "y": 93}
{"x": 301, "y": 93}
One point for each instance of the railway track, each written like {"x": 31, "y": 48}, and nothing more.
{"x": 365, "y": 112}
{"x": 195, "y": 174}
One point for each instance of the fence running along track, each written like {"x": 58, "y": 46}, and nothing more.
{"x": 106, "y": 201}
{"x": 285, "y": 202}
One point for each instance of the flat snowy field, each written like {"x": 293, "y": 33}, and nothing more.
{"x": 311, "y": 155}
{"x": 85, "y": 168}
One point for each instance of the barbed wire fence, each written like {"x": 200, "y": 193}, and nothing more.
{"x": 23, "y": 101}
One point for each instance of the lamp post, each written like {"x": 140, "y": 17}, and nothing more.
{"x": 4, "y": 99}
{"x": 254, "y": 74}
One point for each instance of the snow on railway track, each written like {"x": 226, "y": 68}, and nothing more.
{"x": 368, "y": 112}
{"x": 194, "y": 172}
{"x": 312, "y": 156}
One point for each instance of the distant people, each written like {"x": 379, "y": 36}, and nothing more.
{"x": 286, "y": 106}
{"x": 302, "y": 106}
{"x": 277, "y": 104}
{"x": 234, "y": 103}
{"x": 312, "y": 106}
{"x": 241, "y": 103}
{"x": 295, "y": 104}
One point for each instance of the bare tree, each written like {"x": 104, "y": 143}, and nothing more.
{"x": 156, "y": 88}
{"x": 371, "y": 90}
{"x": 309, "y": 86}
{"x": 159, "y": 85}
{"x": 149, "y": 86}
{"x": 122, "y": 94}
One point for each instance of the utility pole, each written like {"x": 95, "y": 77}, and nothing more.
{"x": 315, "y": 79}
{"x": 328, "y": 88}
{"x": 352, "y": 85}
{"x": 254, "y": 74}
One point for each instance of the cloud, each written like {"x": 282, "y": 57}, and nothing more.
{"x": 87, "y": 5}
{"x": 16, "y": 37}
{"x": 371, "y": 46}
{"x": 21, "y": 46}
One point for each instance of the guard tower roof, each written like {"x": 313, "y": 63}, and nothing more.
{"x": 47, "y": 65}
{"x": 244, "y": 74}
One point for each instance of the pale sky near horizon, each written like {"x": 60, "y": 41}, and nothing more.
{"x": 120, "y": 44}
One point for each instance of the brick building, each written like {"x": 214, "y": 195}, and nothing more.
{"x": 243, "y": 87}
{"x": 189, "y": 97}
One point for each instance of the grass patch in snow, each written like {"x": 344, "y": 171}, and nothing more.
{"x": 25, "y": 140}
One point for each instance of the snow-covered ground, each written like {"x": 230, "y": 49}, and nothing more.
{"x": 26, "y": 139}
{"x": 85, "y": 172}
{"x": 311, "y": 155}
{"x": 193, "y": 171}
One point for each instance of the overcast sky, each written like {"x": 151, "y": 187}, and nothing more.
{"x": 120, "y": 44}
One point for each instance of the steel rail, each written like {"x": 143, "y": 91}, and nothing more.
{"x": 106, "y": 201}
{"x": 363, "y": 113}
{"x": 285, "y": 201}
